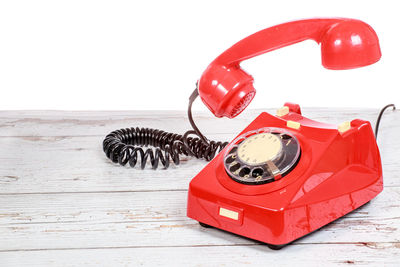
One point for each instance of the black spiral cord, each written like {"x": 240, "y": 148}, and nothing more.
{"x": 380, "y": 116}
{"x": 125, "y": 145}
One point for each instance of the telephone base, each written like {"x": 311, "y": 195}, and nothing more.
{"x": 338, "y": 172}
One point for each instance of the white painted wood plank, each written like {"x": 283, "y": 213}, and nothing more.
{"x": 91, "y": 123}
{"x": 132, "y": 207}
{"x": 78, "y": 164}
{"x": 83, "y": 123}
{"x": 44, "y": 161}
{"x": 74, "y": 123}
{"x": 253, "y": 255}
{"x": 178, "y": 233}
{"x": 59, "y": 221}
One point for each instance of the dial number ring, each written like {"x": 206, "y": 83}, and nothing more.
{"x": 262, "y": 156}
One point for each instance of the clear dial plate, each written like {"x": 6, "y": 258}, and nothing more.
{"x": 262, "y": 156}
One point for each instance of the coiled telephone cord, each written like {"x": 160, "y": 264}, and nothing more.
{"x": 126, "y": 145}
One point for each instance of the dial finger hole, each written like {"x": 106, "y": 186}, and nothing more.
{"x": 230, "y": 159}
{"x": 234, "y": 167}
{"x": 244, "y": 171}
{"x": 257, "y": 172}
{"x": 233, "y": 150}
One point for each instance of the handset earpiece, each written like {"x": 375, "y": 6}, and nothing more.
{"x": 227, "y": 90}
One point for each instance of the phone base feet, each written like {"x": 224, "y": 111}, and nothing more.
{"x": 275, "y": 247}
{"x": 205, "y": 225}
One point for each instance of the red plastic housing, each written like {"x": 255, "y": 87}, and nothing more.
{"x": 337, "y": 173}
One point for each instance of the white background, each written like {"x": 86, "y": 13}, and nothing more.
{"x": 91, "y": 55}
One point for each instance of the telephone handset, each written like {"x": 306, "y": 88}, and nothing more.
{"x": 283, "y": 176}
{"x": 226, "y": 89}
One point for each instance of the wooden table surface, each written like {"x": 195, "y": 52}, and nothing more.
{"x": 63, "y": 203}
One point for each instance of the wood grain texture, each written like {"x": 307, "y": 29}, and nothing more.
{"x": 62, "y": 203}
{"x": 363, "y": 254}
{"x": 112, "y": 220}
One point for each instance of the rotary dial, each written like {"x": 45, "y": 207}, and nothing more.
{"x": 262, "y": 156}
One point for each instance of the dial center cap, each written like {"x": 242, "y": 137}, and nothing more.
{"x": 259, "y": 148}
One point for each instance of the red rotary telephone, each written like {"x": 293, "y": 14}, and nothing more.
{"x": 283, "y": 176}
